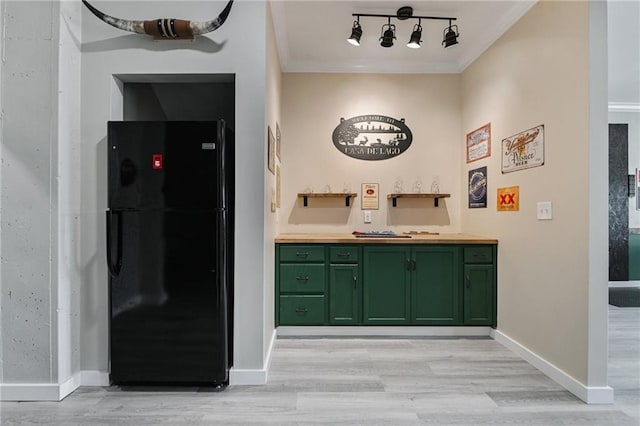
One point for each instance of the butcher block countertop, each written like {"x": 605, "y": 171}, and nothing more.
{"x": 310, "y": 238}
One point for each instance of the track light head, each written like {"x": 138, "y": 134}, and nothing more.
{"x": 450, "y": 35}
{"x": 388, "y": 35}
{"x": 356, "y": 33}
{"x": 414, "y": 41}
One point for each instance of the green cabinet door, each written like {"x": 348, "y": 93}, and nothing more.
{"x": 435, "y": 285}
{"x": 344, "y": 295}
{"x": 478, "y": 294}
{"x": 386, "y": 290}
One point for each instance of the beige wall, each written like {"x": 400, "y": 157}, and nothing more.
{"x": 312, "y": 105}
{"x": 531, "y": 77}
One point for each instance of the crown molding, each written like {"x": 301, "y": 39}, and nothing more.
{"x": 624, "y": 107}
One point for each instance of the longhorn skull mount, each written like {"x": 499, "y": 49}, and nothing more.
{"x": 165, "y": 28}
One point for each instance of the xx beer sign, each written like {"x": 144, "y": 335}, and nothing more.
{"x": 509, "y": 199}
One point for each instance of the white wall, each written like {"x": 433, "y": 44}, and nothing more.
{"x": 238, "y": 47}
{"x": 273, "y": 116}
{"x": 68, "y": 191}
{"x": 312, "y": 107}
{"x": 40, "y": 133}
{"x": 623, "y": 39}
{"x": 547, "y": 269}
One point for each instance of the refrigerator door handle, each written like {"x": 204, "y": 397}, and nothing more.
{"x": 114, "y": 268}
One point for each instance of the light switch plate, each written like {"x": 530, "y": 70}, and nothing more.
{"x": 545, "y": 210}
{"x": 367, "y": 216}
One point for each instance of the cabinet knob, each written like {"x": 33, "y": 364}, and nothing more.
{"x": 300, "y": 278}
{"x": 468, "y": 280}
{"x": 355, "y": 281}
{"x": 302, "y": 310}
{"x": 344, "y": 254}
{"x": 302, "y": 254}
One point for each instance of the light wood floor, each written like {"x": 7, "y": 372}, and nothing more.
{"x": 372, "y": 382}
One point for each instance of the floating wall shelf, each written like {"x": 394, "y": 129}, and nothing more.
{"x": 347, "y": 196}
{"x": 436, "y": 197}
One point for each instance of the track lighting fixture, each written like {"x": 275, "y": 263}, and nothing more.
{"x": 388, "y": 32}
{"x": 414, "y": 41}
{"x": 388, "y": 35}
{"x": 356, "y": 33}
{"x": 450, "y": 36}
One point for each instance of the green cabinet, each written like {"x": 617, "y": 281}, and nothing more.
{"x": 435, "y": 294}
{"x": 345, "y": 288}
{"x": 479, "y": 286}
{"x": 386, "y": 290}
{"x": 344, "y": 295}
{"x": 302, "y": 309}
{"x": 301, "y": 291}
{"x": 386, "y": 284}
{"x": 411, "y": 285}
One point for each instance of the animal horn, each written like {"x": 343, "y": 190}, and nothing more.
{"x": 123, "y": 24}
{"x": 198, "y": 28}
{"x": 165, "y": 28}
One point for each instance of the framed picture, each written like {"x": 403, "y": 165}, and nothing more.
{"x": 278, "y": 140}
{"x": 278, "y": 188}
{"x": 523, "y": 150}
{"x": 479, "y": 143}
{"x": 271, "y": 148}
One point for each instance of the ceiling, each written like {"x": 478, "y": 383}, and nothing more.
{"x": 312, "y": 35}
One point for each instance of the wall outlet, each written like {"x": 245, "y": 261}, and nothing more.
{"x": 367, "y": 216}
{"x": 545, "y": 211}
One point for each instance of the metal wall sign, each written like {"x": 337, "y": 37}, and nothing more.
{"x": 372, "y": 137}
{"x": 508, "y": 199}
{"x": 478, "y": 188}
{"x": 524, "y": 150}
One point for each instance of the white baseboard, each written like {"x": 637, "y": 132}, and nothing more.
{"x": 38, "y": 391}
{"x": 241, "y": 376}
{"x": 381, "y": 331}
{"x": 94, "y": 378}
{"x": 589, "y": 394}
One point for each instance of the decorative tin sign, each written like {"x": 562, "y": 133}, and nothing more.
{"x": 479, "y": 143}
{"x": 478, "y": 188}
{"x": 509, "y": 199}
{"x": 370, "y": 196}
{"x": 524, "y": 150}
{"x": 372, "y": 137}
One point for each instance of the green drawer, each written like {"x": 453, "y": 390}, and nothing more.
{"x": 480, "y": 254}
{"x": 302, "y": 310}
{"x": 343, "y": 254}
{"x": 301, "y": 253}
{"x": 302, "y": 278}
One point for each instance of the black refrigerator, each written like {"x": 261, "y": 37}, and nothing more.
{"x": 170, "y": 252}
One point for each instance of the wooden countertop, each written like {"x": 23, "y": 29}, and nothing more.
{"x": 309, "y": 238}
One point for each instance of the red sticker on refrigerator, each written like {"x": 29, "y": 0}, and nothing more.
{"x": 157, "y": 161}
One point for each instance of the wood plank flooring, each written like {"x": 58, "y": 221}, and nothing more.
{"x": 461, "y": 381}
